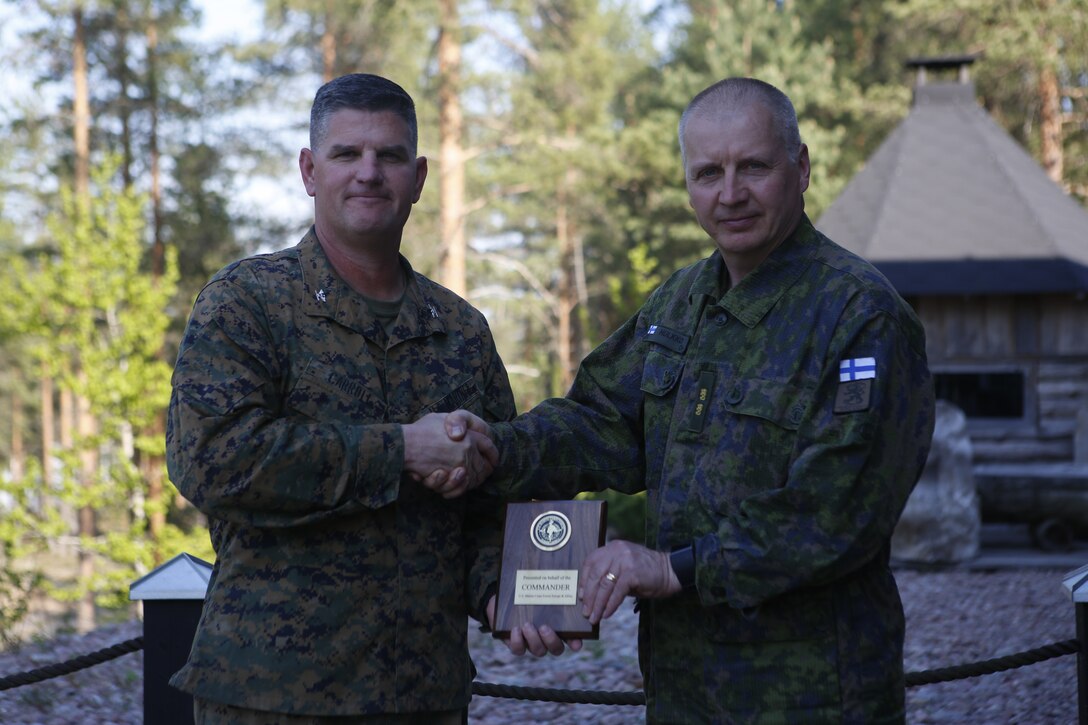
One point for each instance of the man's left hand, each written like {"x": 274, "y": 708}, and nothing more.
{"x": 620, "y": 568}
{"x": 538, "y": 641}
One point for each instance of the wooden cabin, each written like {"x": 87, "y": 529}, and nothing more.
{"x": 993, "y": 256}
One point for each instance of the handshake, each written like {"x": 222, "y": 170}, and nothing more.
{"x": 450, "y": 453}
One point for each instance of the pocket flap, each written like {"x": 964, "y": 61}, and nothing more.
{"x": 661, "y": 373}
{"x": 779, "y": 402}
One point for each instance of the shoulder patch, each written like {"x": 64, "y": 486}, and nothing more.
{"x": 853, "y": 396}
{"x": 858, "y": 368}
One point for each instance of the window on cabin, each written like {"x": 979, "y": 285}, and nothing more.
{"x": 985, "y": 394}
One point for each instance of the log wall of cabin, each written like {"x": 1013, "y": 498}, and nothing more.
{"x": 1044, "y": 336}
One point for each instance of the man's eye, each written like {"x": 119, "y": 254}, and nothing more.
{"x": 708, "y": 173}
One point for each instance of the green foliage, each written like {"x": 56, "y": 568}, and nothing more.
{"x": 94, "y": 321}
{"x": 27, "y": 525}
{"x": 628, "y": 292}
{"x": 104, "y": 316}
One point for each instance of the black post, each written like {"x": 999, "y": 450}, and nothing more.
{"x": 173, "y": 596}
{"x": 169, "y": 627}
{"x": 1082, "y": 663}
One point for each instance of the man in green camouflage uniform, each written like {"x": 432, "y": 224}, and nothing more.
{"x": 342, "y": 583}
{"x": 775, "y": 403}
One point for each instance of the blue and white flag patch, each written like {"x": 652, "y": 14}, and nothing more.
{"x": 675, "y": 341}
{"x": 858, "y": 368}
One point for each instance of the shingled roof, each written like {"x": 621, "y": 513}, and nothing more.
{"x": 951, "y": 204}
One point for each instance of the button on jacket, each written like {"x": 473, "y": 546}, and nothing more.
{"x": 778, "y": 428}
{"x": 340, "y": 586}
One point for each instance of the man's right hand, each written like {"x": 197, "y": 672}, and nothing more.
{"x": 459, "y": 423}
{"x": 449, "y": 465}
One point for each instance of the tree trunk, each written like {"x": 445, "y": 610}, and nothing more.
{"x": 451, "y": 161}
{"x": 81, "y": 107}
{"x": 88, "y": 465}
{"x": 124, "y": 78}
{"x": 66, "y": 439}
{"x": 158, "y": 253}
{"x": 81, "y": 132}
{"x": 573, "y": 294}
{"x": 566, "y": 295}
{"x": 152, "y": 468}
{"x": 328, "y": 44}
{"x": 46, "y": 392}
{"x": 66, "y": 418}
{"x": 17, "y": 463}
{"x": 1050, "y": 125}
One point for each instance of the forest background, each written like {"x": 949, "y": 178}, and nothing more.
{"x": 141, "y": 157}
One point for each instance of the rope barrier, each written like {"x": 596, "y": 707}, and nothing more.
{"x": 998, "y": 664}
{"x": 585, "y": 697}
{"x": 73, "y": 665}
{"x": 581, "y": 697}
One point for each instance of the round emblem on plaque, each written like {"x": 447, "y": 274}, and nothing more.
{"x": 550, "y": 531}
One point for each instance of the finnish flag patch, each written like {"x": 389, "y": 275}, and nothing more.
{"x": 675, "y": 341}
{"x": 858, "y": 368}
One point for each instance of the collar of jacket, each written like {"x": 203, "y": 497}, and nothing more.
{"x": 757, "y": 293}
{"x": 326, "y": 294}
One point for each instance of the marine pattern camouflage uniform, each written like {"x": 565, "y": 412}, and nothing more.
{"x": 340, "y": 586}
{"x": 728, "y": 409}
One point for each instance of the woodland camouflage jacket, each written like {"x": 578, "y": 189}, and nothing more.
{"x": 779, "y": 428}
{"x": 340, "y": 586}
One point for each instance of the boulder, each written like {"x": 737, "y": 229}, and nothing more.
{"x": 942, "y": 520}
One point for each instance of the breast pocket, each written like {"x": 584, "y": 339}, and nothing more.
{"x": 760, "y": 423}
{"x": 329, "y": 392}
{"x": 661, "y": 373}
{"x": 783, "y": 404}
{"x": 465, "y": 394}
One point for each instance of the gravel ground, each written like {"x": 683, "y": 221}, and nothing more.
{"x": 953, "y": 618}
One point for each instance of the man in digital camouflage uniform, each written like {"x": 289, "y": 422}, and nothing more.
{"x": 775, "y": 403}
{"x": 341, "y": 585}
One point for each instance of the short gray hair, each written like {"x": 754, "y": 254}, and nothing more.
{"x": 361, "y": 92}
{"x": 741, "y": 91}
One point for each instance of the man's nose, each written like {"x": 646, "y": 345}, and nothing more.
{"x": 732, "y": 190}
{"x": 367, "y": 169}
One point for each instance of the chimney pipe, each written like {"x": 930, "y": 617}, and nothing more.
{"x": 961, "y": 63}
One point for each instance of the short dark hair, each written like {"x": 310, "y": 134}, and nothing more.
{"x": 361, "y": 92}
{"x": 730, "y": 91}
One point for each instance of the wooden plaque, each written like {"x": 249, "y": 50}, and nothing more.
{"x": 543, "y": 548}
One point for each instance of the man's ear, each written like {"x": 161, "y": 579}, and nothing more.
{"x": 804, "y": 167}
{"x": 421, "y": 176}
{"x": 306, "y": 167}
